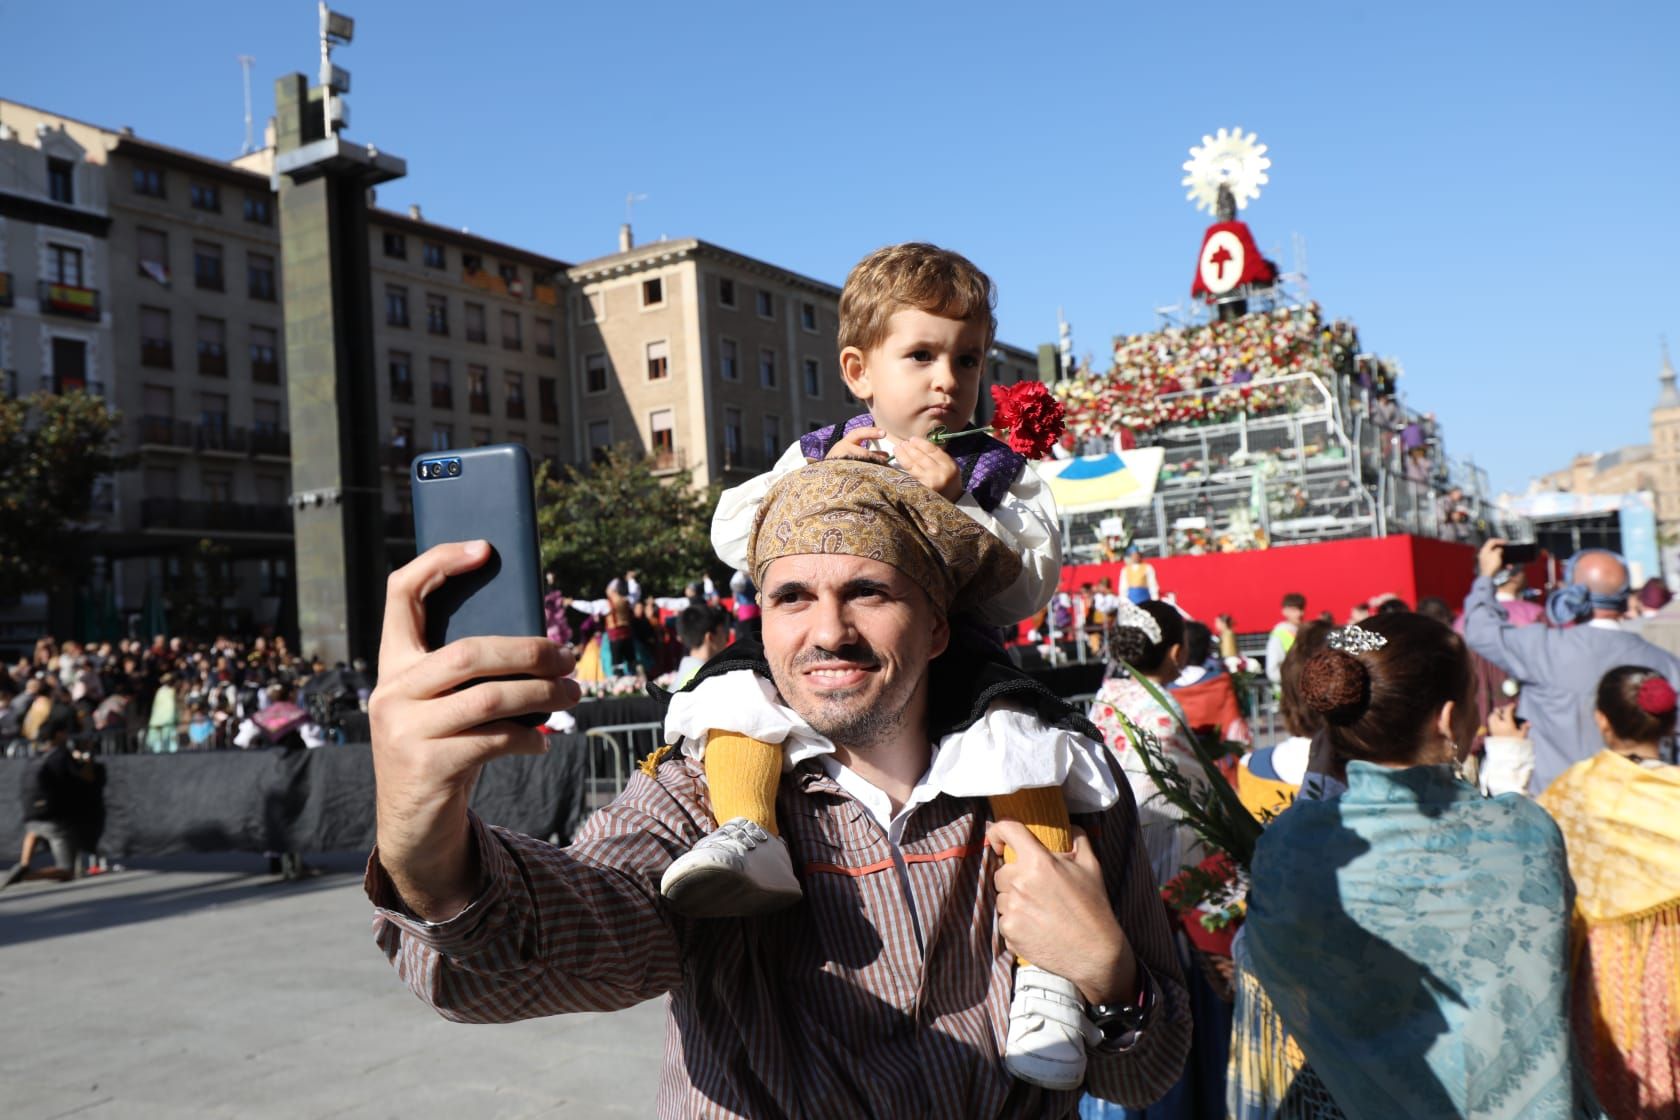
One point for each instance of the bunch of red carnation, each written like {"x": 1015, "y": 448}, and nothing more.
{"x": 1029, "y": 415}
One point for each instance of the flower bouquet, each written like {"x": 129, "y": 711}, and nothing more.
{"x": 1026, "y": 415}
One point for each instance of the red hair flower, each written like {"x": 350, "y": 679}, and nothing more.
{"x": 1657, "y": 697}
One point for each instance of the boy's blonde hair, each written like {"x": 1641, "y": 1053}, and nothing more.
{"x": 915, "y": 275}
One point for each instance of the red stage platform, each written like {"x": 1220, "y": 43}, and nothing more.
{"x": 1333, "y": 575}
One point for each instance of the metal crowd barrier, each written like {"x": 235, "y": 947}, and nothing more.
{"x": 614, "y": 751}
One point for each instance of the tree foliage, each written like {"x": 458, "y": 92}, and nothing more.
{"x": 55, "y": 447}
{"x": 598, "y": 522}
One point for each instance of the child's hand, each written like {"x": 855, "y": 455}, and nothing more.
{"x": 851, "y": 446}
{"x": 931, "y": 466}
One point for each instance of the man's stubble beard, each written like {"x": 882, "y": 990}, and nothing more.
{"x": 851, "y": 721}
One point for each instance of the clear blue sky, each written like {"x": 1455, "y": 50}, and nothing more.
{"x": 1487, "y": 189}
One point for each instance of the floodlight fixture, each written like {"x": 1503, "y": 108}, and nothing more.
{"x": 336, "y": 27}
{"x": 338, "y": 80}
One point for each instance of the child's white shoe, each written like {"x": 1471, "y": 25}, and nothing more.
{"x": 735, "y": 872}
{"x": 1048, "y": 1030}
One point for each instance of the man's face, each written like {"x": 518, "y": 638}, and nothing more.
{"x": 924, "y": 374}
{"x": 849, "y": 640}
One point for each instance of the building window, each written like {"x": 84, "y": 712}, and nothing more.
{"x": 396, "y": 246}
{"x": 437, "y": 313}
{"x": 726, "y": 292}
{"x": 515, "y": 382}
{"x": 443, "y": 384}
{"x": 808, "y": 316}
{"x": 767, "y": 369}
{"x": 158, "y": 401}
{"x": 152, "y": 253}
{"x": 64, "y": 265}
{"x": 478, "y": 389}
{"x": 653, "y": 292}
{"x": 396, "y": 306}
{"x": 542, "y": 331}
{"x": 148, "y": 181}
{"x": 259, "y": 276}
{"x": 475, "y": 321}
{"x": 729, "y": 359}
{"x": 206, "y": 196}
{"x": 207, "y": 266}
{"x": 400, "y": 372}
{"x": 600, "y": 439}
{"x": 265, "y": 357}
{"x": 69, "y": 365}
{"x": 472, "y": 263}
{"x": 265, "y": 419}
{"x": 772, "y": 438}
{"x": 156, "y": 348}
{"x": 431, "y": 252}
{"x": 548, "y": 402}
{"x": 218, "y": 485}
{"x": 732, "y": 437}
{"x": 480, "y": 437}
{"x": 212, "y": 347}
{"x": 658, "y": 361}
{"x": 813, "y": 377}
{"x": 662, "y": 439}
{"x": 61, "y": 181}
{"x": 766, "y": 305}
{"x": 443, "y": 437}
{"x": 588, "y": 310}
{"x": 259, "y": 209}
{"x": 213, "y": 412}
{"x": 595, "y": 373}
{"x": 510, "y": 276}
{"x": 511, "y": 337}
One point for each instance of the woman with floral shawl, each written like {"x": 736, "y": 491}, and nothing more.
{"x": 1620, "y": 816}
{"x": 1413, "y": 936}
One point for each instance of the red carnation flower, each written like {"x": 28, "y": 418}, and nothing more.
{"x": 1029, "y": 415}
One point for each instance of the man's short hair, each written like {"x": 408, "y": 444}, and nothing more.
{"x": 1198, "y": 643}
{"x": 913, "y": 275}
{"x": 1295, "y": 599}
{"x": 696, "y": 621}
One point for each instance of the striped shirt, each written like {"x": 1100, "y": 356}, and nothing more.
{"x": 830, "y": 1008}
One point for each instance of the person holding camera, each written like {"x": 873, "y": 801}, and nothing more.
{"x": 1559, "y": 666}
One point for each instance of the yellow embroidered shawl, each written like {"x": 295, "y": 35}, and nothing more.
{"x": 1621, "y": 825}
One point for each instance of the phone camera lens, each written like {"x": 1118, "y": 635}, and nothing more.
{"x": 454, "y": 467}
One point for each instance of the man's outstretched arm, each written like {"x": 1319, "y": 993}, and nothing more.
{"x": 485, "y": 924}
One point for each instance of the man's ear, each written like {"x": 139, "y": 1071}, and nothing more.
{"x": 941, "y": 635}
{"x": 854, "y": 371}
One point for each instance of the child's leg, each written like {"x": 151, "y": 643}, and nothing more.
{"x": 742, "y": 775}
{"x": 1042, "y": 810}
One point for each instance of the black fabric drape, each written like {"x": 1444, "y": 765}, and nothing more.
{"x": 293, "y": 800}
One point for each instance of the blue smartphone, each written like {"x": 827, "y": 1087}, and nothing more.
{"x": 481, "y": 493}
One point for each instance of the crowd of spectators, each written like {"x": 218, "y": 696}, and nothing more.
{"x": 170, "y": 694}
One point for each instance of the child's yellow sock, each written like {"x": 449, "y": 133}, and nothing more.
{"x": 1042, "y": 810}
{"x": 743, "y": 774}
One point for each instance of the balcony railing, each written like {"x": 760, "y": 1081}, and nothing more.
{"x": 57, "y": 383}
{"x": 476, "y": 334}
{"x": 402, "y": 391}
{"x": 272, "y": 442}
{"x": 550, "y": 412}
{"x": 478, "y": 402}
{"x": 69, "y": 300}
{"x": 516, "y": 409}
{"x": 5, "y": 289}
{"x": 185, "y": 435}
{"x": 212, "y": 360}
{"x": 265, "y": 372}
{"x": 158, "y": 353}
{"x": 443, "y": 396}
{"x": 198, "y": 516}
{"x": 668, "y": 459}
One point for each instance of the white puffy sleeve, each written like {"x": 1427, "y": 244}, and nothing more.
{"x": 1026, "y": 521}
{"x": 733, "y": 521}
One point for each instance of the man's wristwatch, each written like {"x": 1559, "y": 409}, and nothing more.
{"x": 1119, "y": 1024}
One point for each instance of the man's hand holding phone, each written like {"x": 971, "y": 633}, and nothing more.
{"x": 430, "y": 740}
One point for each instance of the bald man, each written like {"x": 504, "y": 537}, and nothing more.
{"x": 1559, "y": 666}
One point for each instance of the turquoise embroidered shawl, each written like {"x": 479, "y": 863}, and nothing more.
{"x": 1414, "y": 938}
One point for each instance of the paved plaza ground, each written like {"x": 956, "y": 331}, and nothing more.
{"x": 201, "y": 987}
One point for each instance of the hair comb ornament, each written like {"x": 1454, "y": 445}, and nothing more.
{"x": 1354, "y": 638}
{"x": 1135, "y": 617}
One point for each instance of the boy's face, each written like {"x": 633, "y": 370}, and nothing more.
{"x": 1293, "y": 614}
{"x": 924, "y": 374}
